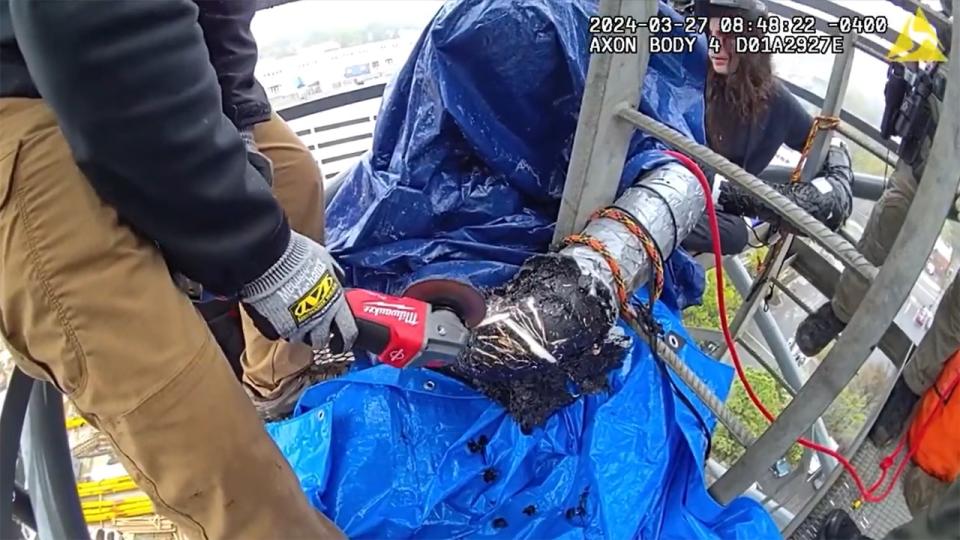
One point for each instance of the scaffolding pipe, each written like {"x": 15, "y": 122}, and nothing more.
{"x": 891, "y": 286}
{"x": 832, "y": 103}
{"x": 601, "y": 140}
{"x": 737, "y": 272}
{"x": 781, "y": 516}
{"x": 48, "y": 466}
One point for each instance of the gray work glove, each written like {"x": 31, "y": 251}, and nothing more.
{"x": 260, "y": 162}
{"x": 300, "y": 298}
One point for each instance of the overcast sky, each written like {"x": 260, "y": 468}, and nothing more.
{"x": 306, "y": 15}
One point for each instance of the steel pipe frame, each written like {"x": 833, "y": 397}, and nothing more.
{"x": 602, "y": 138}
{"x": 935, "y": 195}
{"x": 752, "y": 298}
{"x": 832, "y": 104}
{"x": 868, "y": 46}
{"x": 781, "y": 516}
{"x": 12, "y": 416}
{"x": 51, "y": 487}
{"x": 716, "y": 337}
{"x": 883, "y": 148}
{"x": 777, "y": 344}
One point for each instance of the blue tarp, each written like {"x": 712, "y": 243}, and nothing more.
{"x": 464, "y": 179}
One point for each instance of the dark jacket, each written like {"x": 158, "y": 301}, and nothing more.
{"x": 752, "y": 145}
{"x": 233, "y": 53}
{"x": 139, "y": 102}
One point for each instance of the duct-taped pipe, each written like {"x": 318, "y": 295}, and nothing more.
{"x": 550, "y": 331}
{"x": 668, "y": 202}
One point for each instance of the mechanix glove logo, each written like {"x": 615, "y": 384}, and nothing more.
{"x": 317, "y": 300}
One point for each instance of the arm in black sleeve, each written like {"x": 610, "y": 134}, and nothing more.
{"x": 137, "y": 100}
{"x": 797, "y": 120}
{"x": 233, "y": 53}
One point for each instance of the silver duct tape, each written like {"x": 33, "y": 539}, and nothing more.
{"x": 668, "y": 201}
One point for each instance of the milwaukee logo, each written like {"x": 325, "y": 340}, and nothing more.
{"x": 400, "y": 312}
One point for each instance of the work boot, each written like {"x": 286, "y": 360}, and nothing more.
{"x": 284, "y": 398}
{"x": 818, "y": 330}
{"x": 894, "y": 415}
{"x": 838, "y": 525}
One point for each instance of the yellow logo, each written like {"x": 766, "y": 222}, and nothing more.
{"x": 316, "y": 300}
{"x": 926, "y": 49}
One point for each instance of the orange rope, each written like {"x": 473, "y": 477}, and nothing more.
{"x": 601, "y": 249}
{"x": 649, "y": 246}
{"x": 820, "y": 122}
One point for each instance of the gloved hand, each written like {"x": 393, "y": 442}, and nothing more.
{"x": 260, "y": 162}
{"x": 300, "y": 298}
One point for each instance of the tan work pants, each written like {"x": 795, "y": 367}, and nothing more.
{"x": 937, "y": 345}
{"x": 920, "y": 489}
{"x": 883, "y": 226}
{"x": 90, "y": 306}
{"x": 298, "y": 187}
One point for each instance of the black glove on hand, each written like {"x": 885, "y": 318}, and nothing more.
{"x": 828, "y": 197}
{"x": 300, "y": 298}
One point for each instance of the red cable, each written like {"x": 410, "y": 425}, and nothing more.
{"x": 867, "y": 494}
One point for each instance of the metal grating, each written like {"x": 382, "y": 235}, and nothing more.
{"x": 875, "y": 520}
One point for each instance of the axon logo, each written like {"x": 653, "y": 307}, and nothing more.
{"x": 400, "y": 312}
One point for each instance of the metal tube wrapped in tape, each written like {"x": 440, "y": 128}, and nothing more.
{"x": 552, "y": 327}
{"x": 667, "y": 202}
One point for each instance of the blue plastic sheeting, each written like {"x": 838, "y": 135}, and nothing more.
{"x": 472, "y": 144}
{"x": 386, "y": 453}
{"x": 464, "y": 179}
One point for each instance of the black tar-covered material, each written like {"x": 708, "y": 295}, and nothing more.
{"x": 576, "y": 320}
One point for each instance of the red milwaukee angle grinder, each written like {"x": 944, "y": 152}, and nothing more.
{"x": 429, "y": 325}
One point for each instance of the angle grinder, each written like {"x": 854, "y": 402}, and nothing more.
{"x": 428, "y": 325}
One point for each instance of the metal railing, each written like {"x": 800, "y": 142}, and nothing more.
{"x": 337, "y": 129}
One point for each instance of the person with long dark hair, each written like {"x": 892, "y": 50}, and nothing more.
{"x": 749, "y": 116}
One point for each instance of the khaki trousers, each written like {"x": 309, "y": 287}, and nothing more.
{"x": 920, "y": 489}
{"x": 90, "y": 306}
{"x": 298, "y": 187}
{"x": 883, "y": 226}
{"x": 937, "y": 345}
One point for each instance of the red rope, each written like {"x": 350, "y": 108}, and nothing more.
{"x": 867, "y": 494}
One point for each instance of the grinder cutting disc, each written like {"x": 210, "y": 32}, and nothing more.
{"x": 457, "y": 296}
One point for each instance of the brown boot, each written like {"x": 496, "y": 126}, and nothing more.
{"x": 281, "y": 401}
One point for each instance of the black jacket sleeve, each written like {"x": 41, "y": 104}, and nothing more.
{"x": 138, "y": 101}
{"x": 798, "y": 120}
{"x": 233, "y": 53}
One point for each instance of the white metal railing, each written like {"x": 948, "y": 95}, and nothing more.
{"x": 337, "y": 129}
